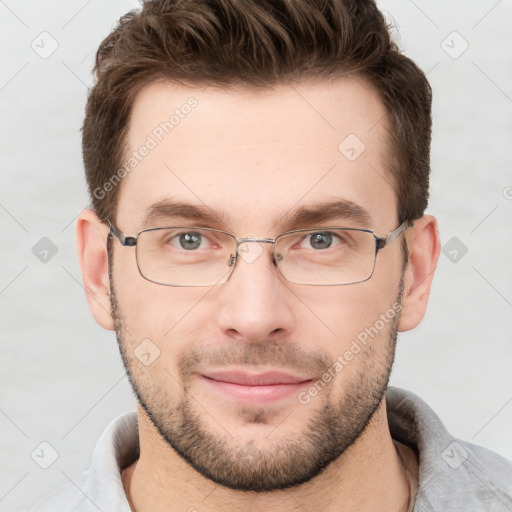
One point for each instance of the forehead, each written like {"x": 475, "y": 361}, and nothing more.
{"x": 257, "y": 154}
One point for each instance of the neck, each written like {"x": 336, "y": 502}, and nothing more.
{"x": 368, "y": 476}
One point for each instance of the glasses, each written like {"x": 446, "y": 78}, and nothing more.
{"x": 195, "y": 256}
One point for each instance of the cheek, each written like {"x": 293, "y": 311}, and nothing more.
{"x": 361, "y": 350}
{"x": 163, "y": 314}
{"x": 343, "y": 313}
{"x": 158, "y": 325}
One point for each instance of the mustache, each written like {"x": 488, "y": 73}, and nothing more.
{"x": 278, "y": 355}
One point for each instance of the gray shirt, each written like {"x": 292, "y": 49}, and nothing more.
{"x": 453, "y": 475}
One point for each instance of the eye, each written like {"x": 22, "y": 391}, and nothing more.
{"x": 322, "y": 240}
{"x": 188, "y": 241}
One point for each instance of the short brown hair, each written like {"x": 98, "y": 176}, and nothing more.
{"x": 257, "y": 44}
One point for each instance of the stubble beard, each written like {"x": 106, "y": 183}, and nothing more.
{"x": 255, "y": 465}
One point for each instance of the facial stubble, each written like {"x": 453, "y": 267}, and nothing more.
{"x": 255, "y": 465}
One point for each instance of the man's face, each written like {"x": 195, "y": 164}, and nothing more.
{"x": 232, "y": 385}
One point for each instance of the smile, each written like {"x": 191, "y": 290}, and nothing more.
{"x": 255, "y": 388}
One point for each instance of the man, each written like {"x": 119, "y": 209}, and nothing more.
{"x": 259, "y": 174}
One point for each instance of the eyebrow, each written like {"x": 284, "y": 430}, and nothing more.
{"x": 340, "y": 209}
{"x": 168, "y": 208}
{"x": 302, "y": 217}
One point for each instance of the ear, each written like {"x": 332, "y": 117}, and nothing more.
{"x": 91, "y": 245}
{"x": 424, "y": 247}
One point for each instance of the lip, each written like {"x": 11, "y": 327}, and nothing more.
{"x": 261, "y": 387}
{"x": 242, "y": 378}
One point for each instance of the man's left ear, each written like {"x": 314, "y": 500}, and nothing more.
{"x": 424, "y": 247}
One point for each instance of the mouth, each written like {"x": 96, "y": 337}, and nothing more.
{"x": 254, "y": 388}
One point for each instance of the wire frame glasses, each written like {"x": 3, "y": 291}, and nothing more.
{"x": 196, "y": 256}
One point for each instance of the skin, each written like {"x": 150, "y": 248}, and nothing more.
{"x": 256, "y": 156}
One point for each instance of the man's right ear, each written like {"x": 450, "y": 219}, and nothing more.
{"x": 91, "y": 246}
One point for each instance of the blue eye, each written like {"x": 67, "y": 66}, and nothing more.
{"x": 321, "y": 240}
{"x": 190, "y": 241}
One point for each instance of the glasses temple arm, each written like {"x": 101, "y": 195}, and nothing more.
{"x": 123, "y": 239}
{"x": 383, "y": 242}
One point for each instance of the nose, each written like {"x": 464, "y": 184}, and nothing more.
{"x": 256, "y": 303}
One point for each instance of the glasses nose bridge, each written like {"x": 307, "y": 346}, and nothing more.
{"x": 248, "y": 239}
{"x": 240, "y": 241}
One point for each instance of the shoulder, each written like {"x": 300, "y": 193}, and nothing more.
{"x": 453, "y": 474}
{"x": 100, "y": 487}
{"x": 66, "y": 499}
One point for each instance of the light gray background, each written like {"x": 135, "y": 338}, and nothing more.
{"x": 61, "y": 377}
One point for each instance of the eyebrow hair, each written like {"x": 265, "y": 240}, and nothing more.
{"x": 170, "y": 208}
{"x": 304, "y": 216}
{"x": 312, "y": 215}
